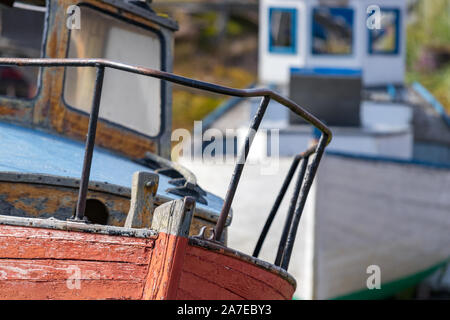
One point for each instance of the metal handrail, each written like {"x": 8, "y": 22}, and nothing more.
{"x": 266, "y": 94}
{"x": 276, "y": 205}
{"x": 296, "y": 206}
{"x": 202, "y": 85}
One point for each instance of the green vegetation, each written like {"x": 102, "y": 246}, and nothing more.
{"x": 428, "y": 48}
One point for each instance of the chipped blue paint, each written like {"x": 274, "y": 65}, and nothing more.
{"x": 28, "y": 150}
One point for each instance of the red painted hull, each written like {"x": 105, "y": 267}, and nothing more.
{"x": 38, "y": 263}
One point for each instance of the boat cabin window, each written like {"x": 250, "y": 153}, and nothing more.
{"x": 130, "y": 100}
{"x": 332, "y": 30}
{"x": 282, "y": 30}
{"x": 386, "y": 39}
{"x": 21, "y": 33}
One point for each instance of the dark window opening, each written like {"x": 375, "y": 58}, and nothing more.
{"x": 96, "y": 212}
{"x": 282, "y": 30}
{"x": 21, "y": 34}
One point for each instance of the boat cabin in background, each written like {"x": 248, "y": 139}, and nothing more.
{"x": 332, "y": 36}
{"x": 337, "y": 58}
{"x": 344, "y": 61}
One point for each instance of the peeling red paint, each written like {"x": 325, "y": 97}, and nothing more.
{"x": 37, "y": 263}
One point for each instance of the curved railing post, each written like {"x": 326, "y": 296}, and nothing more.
{"x": 291, "y": 210}
{"x": 276, "y": 205}
{"x": 90, "y": 142}
{"x": 239, "y": 167}
{"x": 306, "y": 186}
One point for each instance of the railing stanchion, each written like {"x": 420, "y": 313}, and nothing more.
{"x": 309, "y": 178}
{"x": 276, "y": 205}
{"x": 239, "y": 167}
{"x": 90, "y": 142}
{"x": 291, "y": 210}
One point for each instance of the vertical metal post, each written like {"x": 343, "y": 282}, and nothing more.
{"x": 276, "y": 205}
{"x": 90, "y": 142}
{"x": 239, "y": 167}
{"x": 290, "y": 214}
{"x": 302, "y": 200}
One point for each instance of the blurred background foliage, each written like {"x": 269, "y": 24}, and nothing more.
{"x": 218, "y": 42}
{"x": 215, "y": 43}
{"x": 428, "y": 47}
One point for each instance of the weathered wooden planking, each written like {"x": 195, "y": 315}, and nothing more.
{"x": 48, "y": 270}
{"x": 20, "y": 243}
{"x": 164, "y": 272}
{"x": 215, "y": 275}
{"x": 194, "y": 287}
{"x": 90, "y": 290}
{"x": 38, "y": 263}
{"x": 142, "y": 204}
{"x": 44, "y": 201}
{"x": 172, "y": 220}
{"x": 190, "y": 272}
{"x": 40, "y": 200}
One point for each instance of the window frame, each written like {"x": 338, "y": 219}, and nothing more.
{"x": 292, "y": 49}
{"x": 333, "y": 55}
{"x": 41, "y": 55}
{"x": 394, "y": 52}
{"x": 163, "y": 85}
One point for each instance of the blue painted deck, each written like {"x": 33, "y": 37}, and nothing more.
{"x": 32, "y": 151}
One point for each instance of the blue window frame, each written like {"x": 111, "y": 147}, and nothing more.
{"x": 283, "y": 30}
{"x": 386, "y": 40}
{"x": 332, "y": 31}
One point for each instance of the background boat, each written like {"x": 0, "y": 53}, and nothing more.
{"x": 381, "y": 197}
